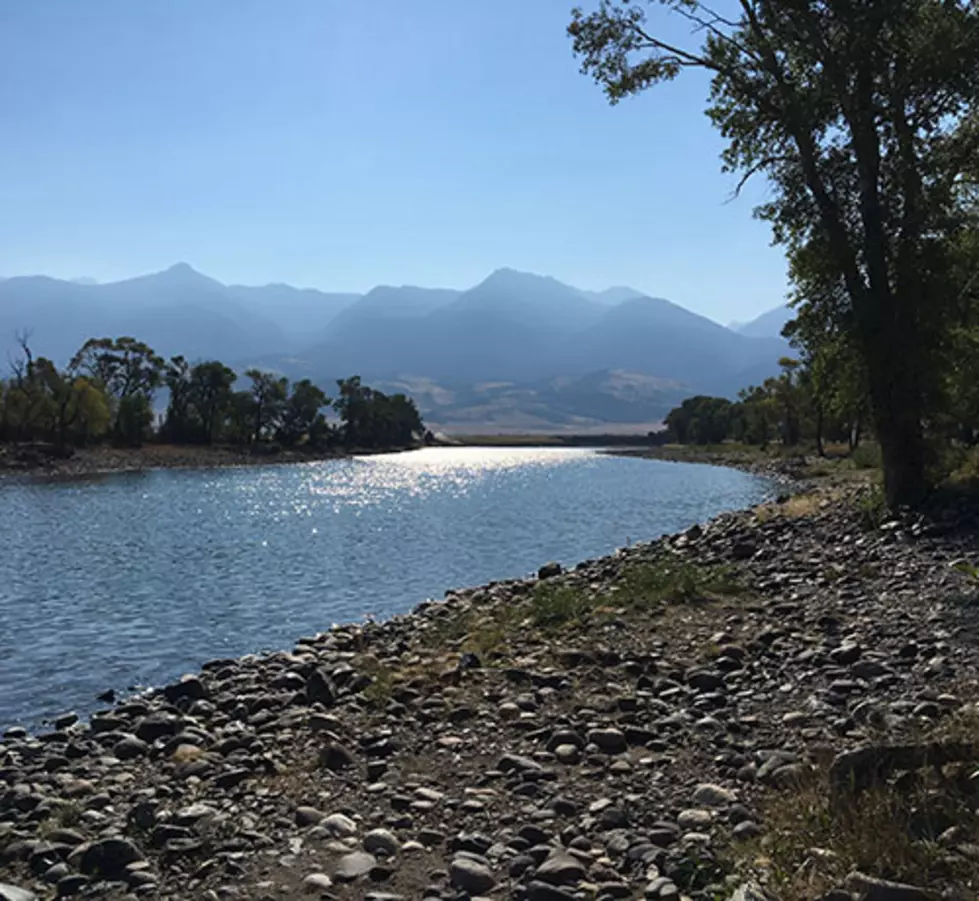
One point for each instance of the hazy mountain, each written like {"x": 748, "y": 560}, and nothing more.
{"x": 178, "y": 310}
{"x": 383, "y": 306}
{"x": 300, "y": 313}
{"x": 612, "y": 296}
{"x": 505, "y": 327}
{"x": 768, "y": 325}
{"x": 658, "y": 338}
{"x": 509, "y": 326}
{"x": 175, "y": 311}
{"x": 517, "y": 350}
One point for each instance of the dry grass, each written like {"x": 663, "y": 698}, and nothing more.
{"x": 796, "y": 507}
{"x": 918, "y": 827}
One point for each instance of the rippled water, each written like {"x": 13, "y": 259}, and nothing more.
{"x": 132, "y": 579}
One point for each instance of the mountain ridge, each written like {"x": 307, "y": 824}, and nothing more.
{"x": 554, "y": 352}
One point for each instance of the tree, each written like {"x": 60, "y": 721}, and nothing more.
{"x": 268, "y": 394}
{"x": 129, "y": 371}
{"x": 77, "y": 410}
{"x": 863, "y": 118}
{"x": 240, "y": 423}
{"x": 353, "y": 407}
{"x": 209, "y": 397}
{"x": 25, "y": 404}
{"x": 301, "y": 412}
{"x": 700, "y": 420}
{"x": 134, "y": 419}
{"x": 177, "y": 426}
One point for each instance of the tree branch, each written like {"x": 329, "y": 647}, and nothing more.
{"x": 754, "y": 170}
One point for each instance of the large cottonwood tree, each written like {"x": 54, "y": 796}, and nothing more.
{"x": 862, "y": 115}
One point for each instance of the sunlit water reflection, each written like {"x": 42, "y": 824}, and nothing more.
{"x": 133, "y": 579}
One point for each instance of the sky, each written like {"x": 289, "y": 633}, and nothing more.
{"x": 341, "y": 144}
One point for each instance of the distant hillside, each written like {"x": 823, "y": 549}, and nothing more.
{"x": 175, "y": 311}
{"x": 768, "y": 325}
{"x": 518, "y": 350}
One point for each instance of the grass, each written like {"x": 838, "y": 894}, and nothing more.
{"x": 866, "y": 456}
{"x": 671, "y": 580}
{"x": 554, "y": 605}
{"x": 872, "y": 505}
{"x": 383, "y": 681}
{"x": 664, "y": 580}
{"x": 897, "y": 830}
{"x": 796, "y": 507}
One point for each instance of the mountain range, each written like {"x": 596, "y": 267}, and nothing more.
{"x": 516, "y": 351}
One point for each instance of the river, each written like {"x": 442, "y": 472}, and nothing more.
{"x": 130, "y": 580}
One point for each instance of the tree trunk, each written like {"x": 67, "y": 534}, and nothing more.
{"x": 820, "y": 450}
{"x": 903, "y": 452}
{"x": 896, "y": 399}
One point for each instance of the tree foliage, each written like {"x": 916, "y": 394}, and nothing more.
{"x": 371, "y": 419}
{"x": 110, "y": 385}
{"x": 862, "y": 117}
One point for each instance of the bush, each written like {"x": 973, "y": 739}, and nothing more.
{"x": 668, "y": 579}
{"x": 866, "y": 456}
{"x": 555, "y": 605}
{"x": 873, "y": 508}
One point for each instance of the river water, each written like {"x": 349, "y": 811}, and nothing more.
{"x": 130, "y": 580}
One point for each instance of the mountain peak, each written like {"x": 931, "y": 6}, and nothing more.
{"x": 506, "y": 275}
{"x": 185, "y": 275}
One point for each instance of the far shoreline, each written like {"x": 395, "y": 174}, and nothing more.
{"x": 105, "y": 461}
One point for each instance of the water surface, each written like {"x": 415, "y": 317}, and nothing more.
{"x": 132, "y": 579}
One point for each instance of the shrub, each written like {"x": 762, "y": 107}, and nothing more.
{"x": 866, "y": 456}
{"x": 554, "y": 605}
{"x": 675, "y": 581}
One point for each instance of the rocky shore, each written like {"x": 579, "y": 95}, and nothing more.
{"x": 777, "y": 704}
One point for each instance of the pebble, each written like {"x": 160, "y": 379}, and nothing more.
{"x": 316, "y": 883}
{"x": 381, "y": 841}
{"x": 339, "y": 825}
{"x": 354, "y": 865}
{"x": 471, "y": 876}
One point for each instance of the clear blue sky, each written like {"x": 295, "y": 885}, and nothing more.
{"x": 344, "y": 143}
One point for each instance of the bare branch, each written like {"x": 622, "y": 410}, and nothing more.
{"x": 754, "y": 170}
{"x": 711, "y": 26}
{"x": 683, "y": 57}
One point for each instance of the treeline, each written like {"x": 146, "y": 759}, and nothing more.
{"x": 822, "y": 397}
{"x": 789, "y": 409}
{"x": 106, "y": 393}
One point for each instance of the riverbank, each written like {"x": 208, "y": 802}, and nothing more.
{"x": 105, "y": 460}
{"x": 741, "y": 707}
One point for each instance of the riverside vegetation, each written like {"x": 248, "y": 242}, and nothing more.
{"x": 862, "y": 119}
{"x": 776, "y": 704}
{"x": 105, "y": 396}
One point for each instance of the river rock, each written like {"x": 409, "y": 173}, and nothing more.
{"x": 339, "y": 825}
{"x": 471, "y": 876}
{"x": 381, "y": 841}
{"x": 561, "y": 868}
{"x": 710, "y": 795}
{"x": 354, "y": 865}
{"x": 308, "y": 816}
{"x": 320, "y": 688}
{"x": 13, "y": 893}
{"x": 611, "y": 741}
{"x": 109, "y": 858}
{"x": 317, "y": 883}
